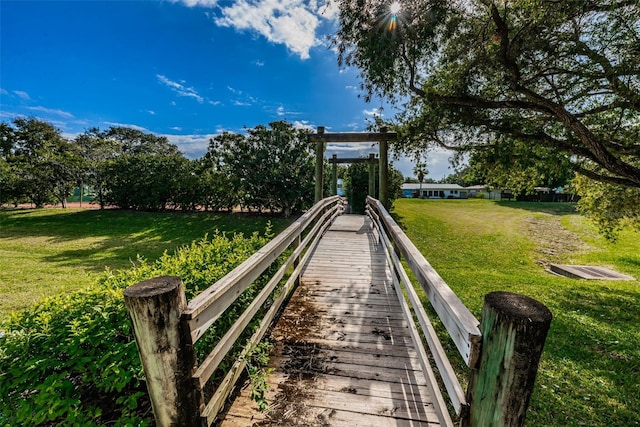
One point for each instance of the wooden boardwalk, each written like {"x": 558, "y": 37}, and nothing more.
{"x": 343, "y": 353}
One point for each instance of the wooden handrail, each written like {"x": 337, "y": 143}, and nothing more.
{"x": 449, "y": 378}
{"x": 175, "y": 382}
{"x": 503, "y": 353}
{"x": 456, "y": 317}
{"x": 205, "y": 308}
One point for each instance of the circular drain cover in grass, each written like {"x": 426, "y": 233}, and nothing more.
{"x": 588, "y": 272}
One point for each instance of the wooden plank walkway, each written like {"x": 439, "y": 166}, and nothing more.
{"x": 343, "y": 354}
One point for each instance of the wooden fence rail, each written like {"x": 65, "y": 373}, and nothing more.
{"x": 166, "y": 327}
{"x": 502, "y": 351}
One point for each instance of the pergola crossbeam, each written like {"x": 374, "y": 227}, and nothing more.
{"x": 354, "y": 137}
{"x": 383, "y": 138}
{"x": 351, "y": 160}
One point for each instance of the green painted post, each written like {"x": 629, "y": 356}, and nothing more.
{"x": 334, "y": 175}
{"x": 514, "y": 328}
{"x": 384, "y": 173}
{"x": 319, "y": 165}
{"x": 372, "y": 175}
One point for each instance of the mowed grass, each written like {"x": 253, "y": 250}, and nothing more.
{"x": 47, "y": 251}
{"x": 590, "y": 370}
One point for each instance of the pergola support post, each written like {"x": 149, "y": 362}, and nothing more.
{"x": 319, "y": 165}
{"x": 372, "y": 175}
{"x": 334, "y": 175}
{"x": 383, "y": 186}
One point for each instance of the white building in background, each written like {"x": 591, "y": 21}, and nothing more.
{"x": 434, "y": 191}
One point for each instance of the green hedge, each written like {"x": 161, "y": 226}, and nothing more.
{"x": 72, "y": 359}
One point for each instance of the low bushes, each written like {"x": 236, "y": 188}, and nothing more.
{"x": 72, "y": 359}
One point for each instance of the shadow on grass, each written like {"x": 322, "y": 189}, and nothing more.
{"x": 399, "y": 219}
{"x": 554, "y": 208}
{"x": 592, "y": 339}
{"x": 117, "y": 236}
{"x": 630, "y": 261}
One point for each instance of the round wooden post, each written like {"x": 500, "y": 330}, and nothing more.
{"x": 372, "y": 175}
{"x": 334, "y": 175}
{"x": 384, "y": 172}
{"x": 514, "y": 328}
{"x": 155, "y": 307}
{"x": 319, "y": 165}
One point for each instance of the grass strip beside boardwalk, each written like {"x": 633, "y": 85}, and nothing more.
{"x": 47, "y": 251}
{"x": 590, "y": 369}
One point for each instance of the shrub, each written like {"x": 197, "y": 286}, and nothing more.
{"x": 72, "y": 359}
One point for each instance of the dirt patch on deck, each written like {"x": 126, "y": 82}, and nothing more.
{"x": 553, "y": 241}
{"x": 303, "y": 362}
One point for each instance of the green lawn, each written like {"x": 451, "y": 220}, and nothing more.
{"x": 47, "y": 251}
{"x": 590, "y": 371}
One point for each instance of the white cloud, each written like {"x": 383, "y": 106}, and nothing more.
{"x": 354, "y": 149}
{"x": 52, "y": 111}
{"x": 193, "y": 3}
{"x": 243, "y": 100}
{"x": 179, "y": 88}
{"x": 124, "y": 125}
{"x": 280, "y": 111}
{"x": 192, "y": 146}
{"x": 3, "y": 92}
{"x": 289, "y": 22}
{"x": 293, "y": 23}
{"x": 438, "y": 164}
{"x": 258, "y": 63}
{"x": 303, "y": 124}
{"x": 330, "y": 10}
{"x": 374, "y": 112}
{"x": 8, "y": 115}
{"x": 177, "y": 128}
{"x": 22, "y": 94}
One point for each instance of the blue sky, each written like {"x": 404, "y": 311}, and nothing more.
{"x": 185, "y": 69}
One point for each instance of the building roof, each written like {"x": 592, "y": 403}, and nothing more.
{"x": 478, "y": 187}
{"x": 428, "y": 186}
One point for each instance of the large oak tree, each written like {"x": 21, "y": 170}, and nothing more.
{"x": 559, "y": 74}
{"x": 558, "y": 79}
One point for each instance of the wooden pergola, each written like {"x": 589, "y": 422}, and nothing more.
{"x": 321, "y": 139}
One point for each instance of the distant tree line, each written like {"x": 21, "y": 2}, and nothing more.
{"x": 269, "y": 168}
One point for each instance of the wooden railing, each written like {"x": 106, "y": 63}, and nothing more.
{"x": 166, "y": 327}
{"x": 502, "y": 352}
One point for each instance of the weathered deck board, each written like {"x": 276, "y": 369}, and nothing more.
{"x": 343, "y": 354}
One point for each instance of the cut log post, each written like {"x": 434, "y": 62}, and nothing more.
{"x": 155, "y": 307}
{"x": 319, "y": 166}
{"x": 514, "y": 328}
